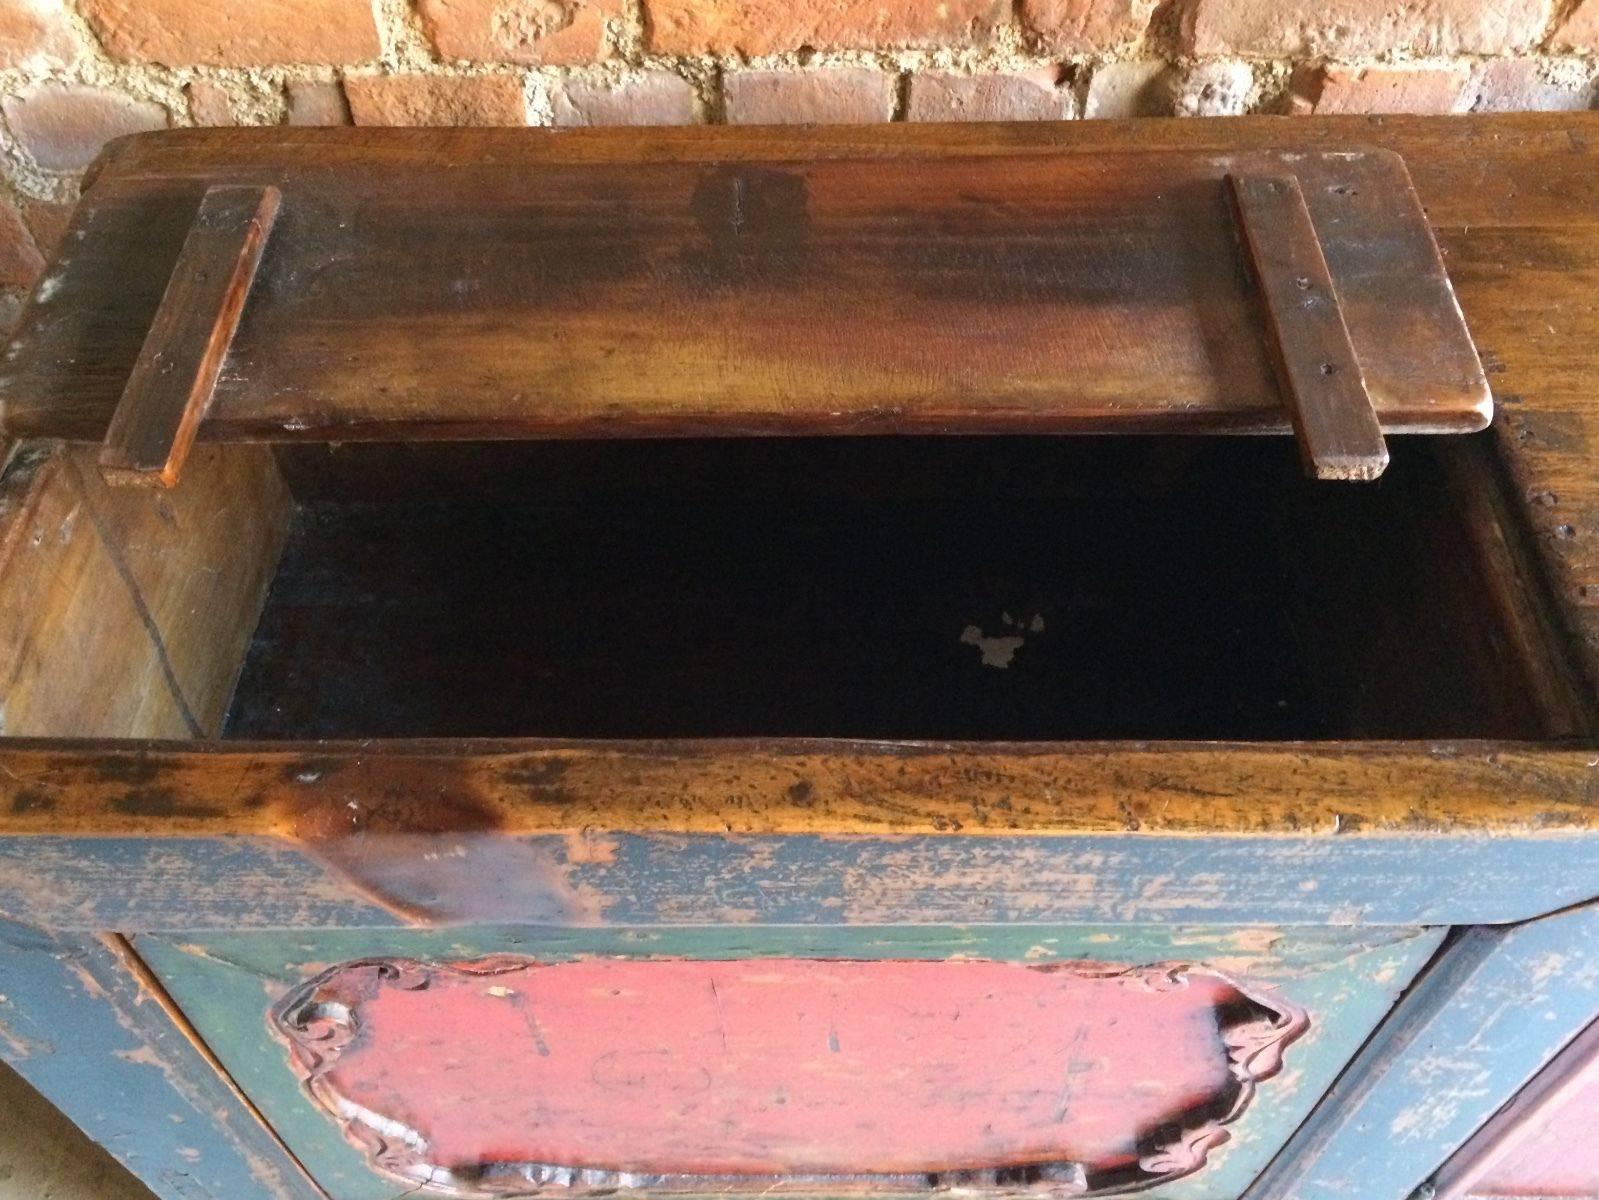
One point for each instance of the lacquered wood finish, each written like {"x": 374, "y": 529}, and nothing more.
{"x": 773, "y": 1074}
{"x": 1067, "y": 294}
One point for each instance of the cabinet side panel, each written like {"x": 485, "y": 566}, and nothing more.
{"x": 126, "y": 612}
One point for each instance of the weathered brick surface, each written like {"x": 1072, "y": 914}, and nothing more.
{"x": 1040, "y": 95}
{"x": 235, "y": 33}
{"x": 754, "y": 27}
{"x": 1579, "y": 28}
{"x": 1352, "y": 29}
{"x": 1135, "y": 88}
{"x": 816, "y": 96}
{"x": 1398, "y": 89}
{"x": 436, "y": 100}
{"x": 309, "y": 102}
{"x": 1531, "y": 85}
{"x": 1214, "y": 89}
{"x": 520, "y": 31}
{"x": 63, "y": 126}
{"x": 209, "y": 103}
{"x": 20, "y": 260}
{"x": 648, "y": 98}
{"x": 1086, "y": 26}
{"x": 36, "y": 35}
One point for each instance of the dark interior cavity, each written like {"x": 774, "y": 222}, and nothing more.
{"x": 922, "y": 588}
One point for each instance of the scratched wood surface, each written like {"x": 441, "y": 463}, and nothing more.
{"x": 1082, "y": 292}
{"x": 101, "y": 832}
{"x": 84, "y": 1031}
{"x": 1346, "y": 980}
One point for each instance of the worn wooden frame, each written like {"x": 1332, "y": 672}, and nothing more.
{"x": 138, "y": 837}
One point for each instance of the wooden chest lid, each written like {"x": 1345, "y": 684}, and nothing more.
{"x": 484, "y": 293}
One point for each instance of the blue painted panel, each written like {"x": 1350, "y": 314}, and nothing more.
{"x": 75, "y": 1025}
{"x": 660, "y": 879}
{"x": 1490, "y": 1012}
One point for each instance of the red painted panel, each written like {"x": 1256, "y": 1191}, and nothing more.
{"x": 477, "y": 1076}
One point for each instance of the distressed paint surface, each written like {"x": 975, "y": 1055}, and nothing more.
{"x": 500, "y": 1074}
{"x": 1492, "y": 1011}
{"x": 595, "y": 880}
{"x": 225, "y": 981}
{"x": 76, "y": 1025}
{"x": 1541, "y": 1143}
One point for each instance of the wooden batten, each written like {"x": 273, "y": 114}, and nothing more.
{"x": 159, "y": 414}
{"x": 1337, "y": 427}
{"x": 126, "y": 612}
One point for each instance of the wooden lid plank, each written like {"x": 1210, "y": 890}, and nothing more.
{"x": 485, "y": 296}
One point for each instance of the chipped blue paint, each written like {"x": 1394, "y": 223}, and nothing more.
{"x": 74, "y": 1024}
{"x": 675, "y": 879}
{"x": 1492, "y": 1011}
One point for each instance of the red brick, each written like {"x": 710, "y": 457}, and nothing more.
{"x": 235, "y": 33}
{"x": 1579, "y": 30}
{"x": 1530, "y": 85}
{"x": 436, "y": 100}
{"x": 209, "y": 103}
{"x": 1086, "y": 26}
{"x": 1041, "y": 95}
{"x": 753, "y": 27}
{"x": 648, "y": 98}
{"x": 1135, "y": 88}
{"x": 1358, "y": 28}
{"x": 551, "y": 32}
{"x": 20, "y": 260}
{"x": 36, "y": 34}
{"x": 818, "y": 96}
{"x": 63, "y": 126}
{"x": 48, "y": 221}
{"x": 314, "y": 103}
{"x": 1333, "y": 89}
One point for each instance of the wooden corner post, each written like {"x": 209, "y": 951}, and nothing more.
{"x": 1334, "y": 421}
{"x": 170, "y": 388}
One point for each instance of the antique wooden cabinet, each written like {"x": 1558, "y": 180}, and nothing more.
{"x": 738, "y": 661}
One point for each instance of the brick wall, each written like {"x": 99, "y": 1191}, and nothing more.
{"x": 76, "y": 72}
